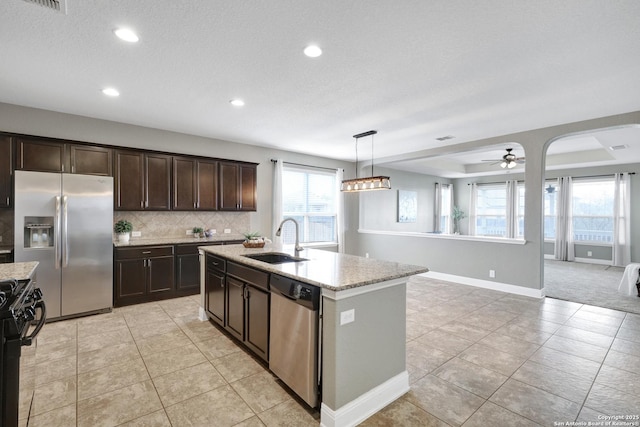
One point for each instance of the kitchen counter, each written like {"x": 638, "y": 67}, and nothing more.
{"x": 18, "y": 270}
{"x": 329, "y": 270}
{"x": 218, "y": 238}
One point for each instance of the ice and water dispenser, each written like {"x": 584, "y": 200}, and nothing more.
{"x": 38, "y": 231}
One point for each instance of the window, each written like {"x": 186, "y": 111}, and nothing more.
{"x": 310, "y": 197}
{"x": 445, "y": 208}
{"x": 491, "y": 211}
{"x": 550, "y": 209}
{"x": 592, "y": 209}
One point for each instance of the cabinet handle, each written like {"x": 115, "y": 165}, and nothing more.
{"x": 222, "y": 282}
{"x": 73, "y": 169}
{"x": 141, "y": 204}
{"x": 144, "y": 263}
{"x": 146, "y": 252}
{"x": 7, "y": 201}
{"x": 149, "y": 263}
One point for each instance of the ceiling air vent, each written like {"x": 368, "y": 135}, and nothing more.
{"x": 444, "y": 138}
{"x": 57, "y": 5}
{"x": 618, "y": 147}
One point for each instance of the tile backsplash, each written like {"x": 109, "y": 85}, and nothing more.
{"x": 175, "y": 224}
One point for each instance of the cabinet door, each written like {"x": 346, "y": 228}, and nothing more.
{"x": 234, "y": 315}
{"x": 89, "y": 160}
{"x": 131, "y": 278}
{"x": 160, "y": 274}
{"x": 184, "y": 184}
{"x": 6, "y": 171}
{"x": 248, "y": 187}
{"x": 229, "y": 183}
{"x": 41, "y": 155}
{"x": 257, "y": 321}
{"x": 215, "y": 294}
{"x": 207, "y": 198}
{"x": 188, "y": 272}
{"x": 129, "y": 180}
{"x": 157, "y": 182}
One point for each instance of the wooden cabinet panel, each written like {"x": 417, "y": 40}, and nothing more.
{"x": 237, "y": 187}
{"x": 215, "y": 295}
{"x": 91, "y": 160}
{"x": 187, "y": 268}
{"x": 131, "y": 278}
{"x": 161, "y": 274}
{"x": 157, "y": 182}
{"x": 41, "y": 155}
{"x": 129, "y": 180}
{"x": 234, "y": 313}
{"x": 184, "y": 183}
{"x": 257, "y": 321}
{"x": 207, "y": 198}
{"x": 6, "y": 172}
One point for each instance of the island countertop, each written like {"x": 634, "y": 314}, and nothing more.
{"x": 18, "y": 270}
{"x": 330, "y": 270}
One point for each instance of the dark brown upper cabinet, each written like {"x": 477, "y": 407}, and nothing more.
{"x": 142, "y": 181}
{"x": 43, "y": 155}
{"x": 237, "y": 186}
{"x": 194, "y": 184}
{"x": 6, "y": 171}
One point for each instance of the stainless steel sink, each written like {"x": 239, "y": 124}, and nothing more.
{"x": 275, "y": 257}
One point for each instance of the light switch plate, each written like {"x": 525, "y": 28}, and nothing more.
{"x": 227, "y": 230}
{"x": 189, "y": 232}
{"x": 136, "y": 234}
{"x": 347, "y": 316}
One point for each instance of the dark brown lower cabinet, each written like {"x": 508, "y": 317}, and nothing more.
{"x": 257, "y": 321}
{"x": 234, "y": 316}
{"x": 143, "y": 274}
{"x": 187, "y": 269}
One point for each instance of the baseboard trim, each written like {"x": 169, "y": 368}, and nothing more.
{"x": 594, "y": 261}
{"x": 367, "y": 404}
{"x": 486, "y": 284}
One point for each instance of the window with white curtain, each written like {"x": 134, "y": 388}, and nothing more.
{"x": 592, "y": 209}
{"x": 550, "y": 209}
{"x": 491, "y": 210}
{"x": 309, "y": 196}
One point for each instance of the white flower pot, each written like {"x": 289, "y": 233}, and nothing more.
{"x": 123, "y": 237}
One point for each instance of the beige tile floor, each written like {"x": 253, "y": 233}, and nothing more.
{"x": 475, "y": 357}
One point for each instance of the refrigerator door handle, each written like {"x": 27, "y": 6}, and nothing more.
{"x": 65, "y": 239}
{"x": 56, "y": 246}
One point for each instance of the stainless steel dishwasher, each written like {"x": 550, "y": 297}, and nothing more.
{"x": 293, "y": 340}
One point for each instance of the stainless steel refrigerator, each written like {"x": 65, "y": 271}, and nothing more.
{"x": 65, "y": 222}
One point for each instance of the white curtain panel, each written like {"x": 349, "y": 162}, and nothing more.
{"x": 437, "y": 208}
{"x": 276, "y": 209}
{"x": 449, "y": 229}
{"x": 472, "y": 209}
{"x": 512, "y": 209}
{"x": 621, "y": 220}
{"x": 340, "y": 222}
{"x": 564, "y": 248}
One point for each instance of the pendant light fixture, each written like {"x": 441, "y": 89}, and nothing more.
{"x": 368, "y": 183}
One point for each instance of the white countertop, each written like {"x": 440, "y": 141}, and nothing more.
{"x": 177, "y": 240}
{"x": 18, "y": 270}
{"x": 326, "y": 269}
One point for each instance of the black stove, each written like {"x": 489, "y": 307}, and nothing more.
{"x": 22, "y": 316}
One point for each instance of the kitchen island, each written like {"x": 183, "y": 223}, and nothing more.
{"x": 363, "y": 324}
{"x": 18, "y": 270}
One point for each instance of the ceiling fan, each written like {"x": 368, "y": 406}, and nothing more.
{"x": 508, "y": 161}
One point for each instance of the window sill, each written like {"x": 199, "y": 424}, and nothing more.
{"x": 446, "y": 236}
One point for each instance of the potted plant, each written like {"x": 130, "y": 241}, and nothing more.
{"x": 253, "y": 240}
{"x": 123, "y": 229}
{"x": 198, "y": 232}
{"x": 457, "y": 215}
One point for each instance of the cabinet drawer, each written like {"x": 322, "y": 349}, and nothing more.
{"x": 255, "y": 277}
{"x": 188, "y": 249}
{"x": 216, "y": 263}
{"x": 143, "y": 252}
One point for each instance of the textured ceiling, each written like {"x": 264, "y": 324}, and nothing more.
{"x": 413, "y": 70}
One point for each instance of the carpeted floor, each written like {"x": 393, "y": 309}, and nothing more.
{"x": 591, "y": 284}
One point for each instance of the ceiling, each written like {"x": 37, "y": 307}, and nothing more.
{"x": 414, "y": 70}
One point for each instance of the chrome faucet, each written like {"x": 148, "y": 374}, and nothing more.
{"x": 279, "y": 232}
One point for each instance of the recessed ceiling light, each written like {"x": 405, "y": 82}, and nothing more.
{"x": 109, "y": 91}
{"x": 126, "y": 34}
{"x": 312, "y": 51}
{"x": 237, "y": 102}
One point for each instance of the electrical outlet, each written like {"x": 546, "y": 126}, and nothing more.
{"x": 227, "y": 230}
{"x": 492, "y": 274}
{"x": 189, "y": 232}
{"x": 589, "y": 253}
{"x": 366, "y": 255}
{"x": 347, "y": 316}
{"x": 136, "y": 234}
{"x": 213, "y": 231}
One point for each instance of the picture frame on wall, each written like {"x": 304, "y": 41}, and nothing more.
{"x": 407, "y": 206}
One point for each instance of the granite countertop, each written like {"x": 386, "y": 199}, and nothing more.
{"x": 330, "y": 270}
{"x": 18, "y": 270}
{"x": 178, "y": 240}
